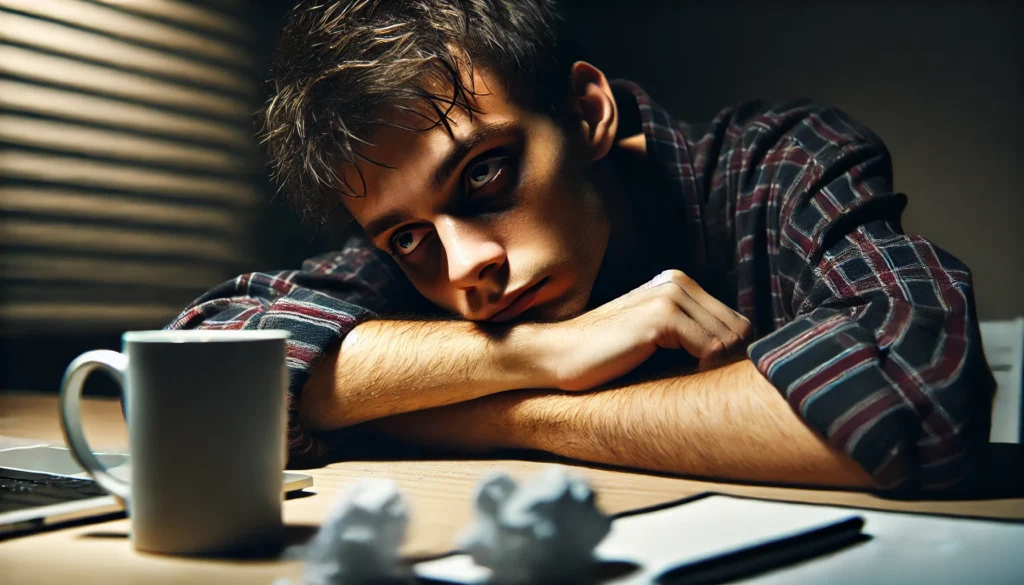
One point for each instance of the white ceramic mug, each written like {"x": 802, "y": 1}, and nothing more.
{"x": 206, "y": 432}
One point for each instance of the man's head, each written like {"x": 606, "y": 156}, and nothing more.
{"x": 461, "y": 135}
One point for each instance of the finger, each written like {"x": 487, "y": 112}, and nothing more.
{"x": 736, "y": 323}
{"x": 695, "y": 339}
{"x": 660, "y": 278}
{"x": 703, "y": 316}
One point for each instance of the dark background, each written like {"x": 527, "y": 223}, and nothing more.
{"x": 941, "y": 82}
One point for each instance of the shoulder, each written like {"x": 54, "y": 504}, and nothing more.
{"x": 366, "y": 275}
{"x": 355, "y": 256}
{"x": 818, "y": 130}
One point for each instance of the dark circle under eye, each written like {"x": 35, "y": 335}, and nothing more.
{"x": 405, "y": 240}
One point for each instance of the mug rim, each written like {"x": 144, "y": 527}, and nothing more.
{"x": 204, "y": 335}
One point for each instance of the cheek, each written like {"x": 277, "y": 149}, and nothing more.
{"x": 559, "y": 222}
{"x": 427, "y": 277}
{"x": 574, "y": 213}
{"x": 555, "y": 198}
{"x": 439, "y": 294}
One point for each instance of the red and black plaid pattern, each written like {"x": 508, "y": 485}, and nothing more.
{"x": 870, "y": 333}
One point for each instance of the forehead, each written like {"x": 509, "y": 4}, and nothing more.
{"x": 409, "y": 158}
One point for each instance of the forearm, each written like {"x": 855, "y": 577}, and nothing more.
{"x": 384, "y": 368}
{"x": 728, "y": 423}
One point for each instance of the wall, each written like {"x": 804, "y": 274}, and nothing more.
{"x": 942, "y": 83}
{"x": 130, "y": 180}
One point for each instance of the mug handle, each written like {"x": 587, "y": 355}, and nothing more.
{"x": 115, "y": 364}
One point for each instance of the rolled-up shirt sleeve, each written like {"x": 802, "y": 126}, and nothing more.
{"x": 318, "y": 305}
{"x": 881, "y": 352}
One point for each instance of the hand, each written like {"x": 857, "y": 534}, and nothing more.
{"x": 671, "y": 311}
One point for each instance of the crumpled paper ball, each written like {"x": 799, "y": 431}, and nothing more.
{"x": 360, "y": 541}
{"x": 543, "y": 531}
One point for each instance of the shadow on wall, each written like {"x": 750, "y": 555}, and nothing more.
{"x": 131, "y": 181}
{"x": 941, "y": 82}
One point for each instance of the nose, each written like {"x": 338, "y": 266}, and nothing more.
{"x": 472, "y": 252}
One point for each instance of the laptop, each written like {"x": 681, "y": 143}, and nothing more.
{"x": 42, "y": 485}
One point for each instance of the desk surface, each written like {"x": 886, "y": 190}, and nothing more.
{"x": 439, "y": 493}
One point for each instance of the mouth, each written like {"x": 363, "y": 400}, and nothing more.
{"x": 515, "y": 303}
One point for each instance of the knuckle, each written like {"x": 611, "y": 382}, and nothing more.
{"x": 679, "y": 277}
{"x": 655, "y": 335}
{"x": 734, "y": 340}
{"x": 715, "y": 348}
{"x": 663, "y": 306}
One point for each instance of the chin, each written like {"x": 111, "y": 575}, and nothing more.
{"x": 561, "y": 308}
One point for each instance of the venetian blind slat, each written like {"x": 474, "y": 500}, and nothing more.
{"x": 125, "y": 25}
{"x": 73, "y": 317}
{"x": 48, "y": 201}
{"x": 90, "y": 46}
{"x": 66, "y": 137}
{"x": 186, "y": 14}
{"x": 65, "y": 72}
{"x": 95, "y": 238}
{"x": 45, "y": 268}
{"x": 105, "y": 175}
{"x": 24, "y": 97}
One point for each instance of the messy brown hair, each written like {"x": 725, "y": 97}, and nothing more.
{"x": 343, "y": 68}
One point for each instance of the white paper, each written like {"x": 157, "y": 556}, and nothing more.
{"x": 672, "y": 537}
{"x": 1004, "y": 349}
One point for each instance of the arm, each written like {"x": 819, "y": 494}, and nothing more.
{"x": 727, "y": 423}
{"x": 876, "y": 342}
{"x": 386, "y": 367}
{"x": 346, "y": 365}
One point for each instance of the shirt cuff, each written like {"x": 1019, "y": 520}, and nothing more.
{"x": 829, "y": 369}
{"x": 317, "y": 323}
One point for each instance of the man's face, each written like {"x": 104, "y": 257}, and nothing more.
{"x": 500, "y": 223}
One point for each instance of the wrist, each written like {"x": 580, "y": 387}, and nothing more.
{"x": 534, "y": 419}
{"x": 528, "y": 352}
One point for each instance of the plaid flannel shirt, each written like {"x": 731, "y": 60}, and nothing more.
{"x": 787, "y": 215}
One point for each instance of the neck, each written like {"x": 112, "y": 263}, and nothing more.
{"x": 631, "y": 257}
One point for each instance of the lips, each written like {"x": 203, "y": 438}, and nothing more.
{"x": 519, "y": 303}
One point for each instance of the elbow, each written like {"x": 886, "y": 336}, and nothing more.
{"x": 318, "y": 397}
{"x": 927, "y": 455}
{"x": 940, "y": 441}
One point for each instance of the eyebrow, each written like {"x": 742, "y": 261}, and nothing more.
{"x": 462, "y": 148}
{"x": 385, "y": 222}
{"x": 451, "y": 162}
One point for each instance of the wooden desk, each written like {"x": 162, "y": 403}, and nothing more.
{"x": 439, "y": 493}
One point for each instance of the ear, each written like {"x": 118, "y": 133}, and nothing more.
{"x": 594, "y": 104}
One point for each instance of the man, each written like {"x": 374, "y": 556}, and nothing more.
{"x": 545, "y": 260}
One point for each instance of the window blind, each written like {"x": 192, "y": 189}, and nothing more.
{"x": 129, "y": 175}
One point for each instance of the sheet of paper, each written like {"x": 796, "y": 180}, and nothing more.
{"x": 57, "y": 460}
{"x": 671, "y": 537}
{"x": 1004, "y": 349}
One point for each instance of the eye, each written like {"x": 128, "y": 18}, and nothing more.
{"x": 405, "y": 242}
{"x": 483, "y": 172}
